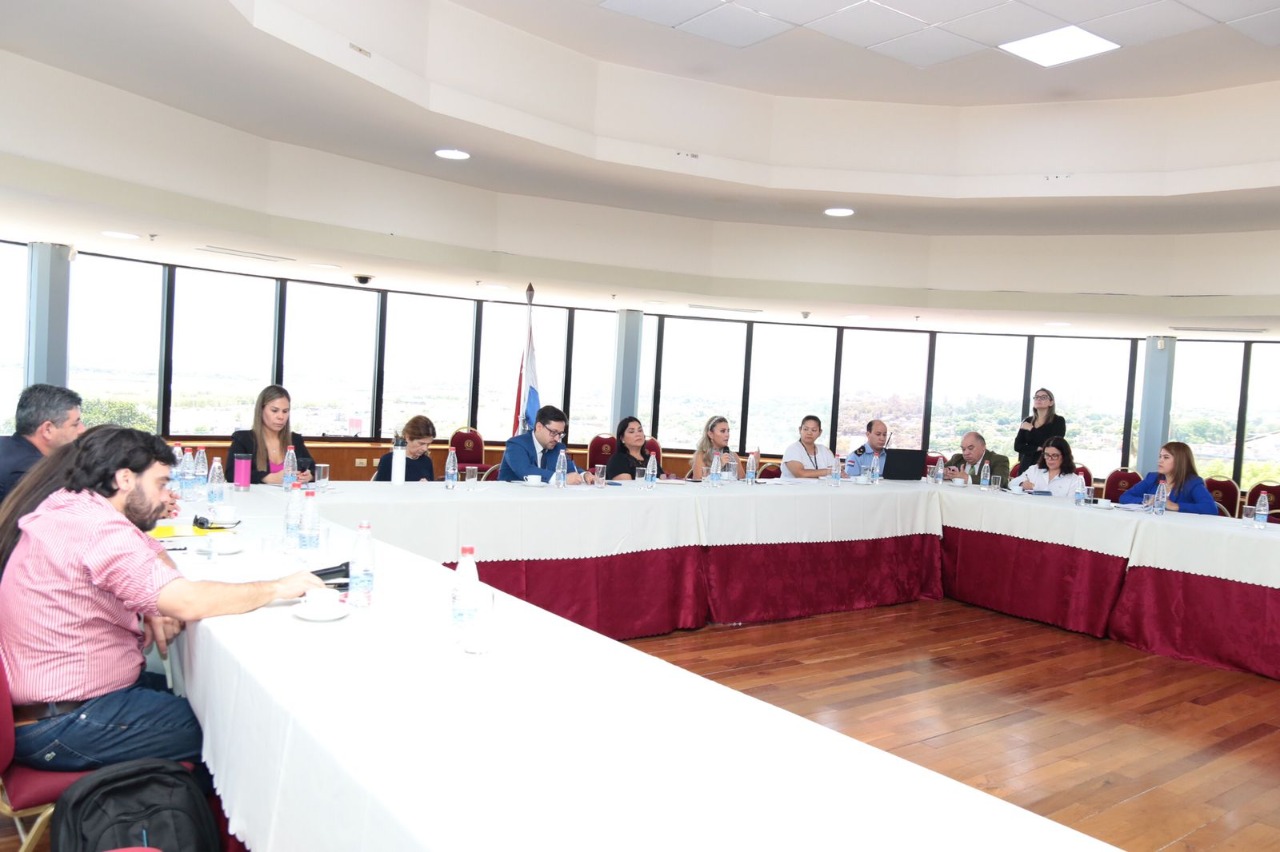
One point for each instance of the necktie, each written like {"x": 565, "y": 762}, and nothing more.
{"x": 545, "y": 457}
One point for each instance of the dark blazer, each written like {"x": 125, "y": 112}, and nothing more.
{"x": 520, "y": 459}
{"x": 1193, "y": 498}
{"x": 622, "y": 462}
{"x": 415, "y": 470}
{"x": 17, "y": 456}
{"x": 999, "y": 467}
{"x": 242, "y": 441}
{"x": 1027, "y": 442}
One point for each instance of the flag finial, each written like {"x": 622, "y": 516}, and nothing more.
{"x": 528, "y": 294}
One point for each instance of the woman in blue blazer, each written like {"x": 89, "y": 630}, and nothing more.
{"x": 1177, "y": 467}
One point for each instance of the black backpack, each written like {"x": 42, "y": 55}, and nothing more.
{"x": 136, "y": 803}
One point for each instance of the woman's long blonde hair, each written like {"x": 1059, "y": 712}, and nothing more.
{"x": 703, "y": 450}
{"x": 270, "y": 393}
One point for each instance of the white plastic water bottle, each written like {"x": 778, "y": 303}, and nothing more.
{"x": 651, "y": 472}
{"x": 177, "y": 457}
{"x": 293, "y": 516}
{"x": 1162, "y": 496}
{"x": 561, "y": 477}
{"x": 471, "y": 603}
{"x": 716, "y": 468}
{"x": 751, "y": 468}
{"x": 200, "y": 476}
{"x": 939, "y": 472}
{"x": 360, "y": 581}
{"x": 186, "y": 474}
{"x": 451, "y": 470}
{"x": 1262, "y": 511}
{"x": 290, "y": 468}
{"x": 984, "y": 480}
{"x": 1079, "y": 496}
{"x": 309, "y": 526}
{"x": 837, "y": 472}
{"x": 217, "y": 481}
{"x": 875, "y": 470}
{"x": 398, "y": 461}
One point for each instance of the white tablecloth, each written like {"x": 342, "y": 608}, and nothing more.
{"x": 1052, "y": 520}
{"x": 376, "y": 733}
{"x": 1211, "y": 546}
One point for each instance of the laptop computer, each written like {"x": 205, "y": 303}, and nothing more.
{"x": 905, "y": 465}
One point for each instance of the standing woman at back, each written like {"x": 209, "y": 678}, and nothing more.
{"x": 1043, "y": 424}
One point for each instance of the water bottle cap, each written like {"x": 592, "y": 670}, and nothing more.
{"x": 290, "y": 447}
{"x": 311, "y": 493}
{"x": 468, "y": 550}
{"x": 297, "y": 486}
{"x": 199, "y": 447}
{"x": 363, "y": 525}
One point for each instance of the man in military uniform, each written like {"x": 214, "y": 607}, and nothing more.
{"x": 871, "y": 453}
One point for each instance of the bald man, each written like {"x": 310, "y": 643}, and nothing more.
{"x": 968, "y": 462}
{"x": 870, "y": 454}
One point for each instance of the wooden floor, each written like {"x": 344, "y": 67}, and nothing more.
{"x": 1137, "y": 750}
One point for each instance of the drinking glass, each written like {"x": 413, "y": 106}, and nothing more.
{"x": 473, "y": 476}
{"x": 322, "y": 477}
{"x": 995, "y": 484}
{"x": 1148, "y": 503}
{"x": 1249, "y": 515}
{"x": 600, "y": 476}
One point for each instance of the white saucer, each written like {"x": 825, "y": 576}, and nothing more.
{"x": 538, "y": 484}
{"x": 959, "y": 483}
{"x": 309, "y": 612}
{"x": 220, "y": 544}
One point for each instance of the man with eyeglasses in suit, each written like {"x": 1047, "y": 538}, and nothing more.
{"x": 535, "y": 453}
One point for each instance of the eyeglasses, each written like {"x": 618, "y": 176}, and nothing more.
{"x": 1043, "y": 397}
{"x": 555, "y": 433}
{"x": 1052, "y": 456}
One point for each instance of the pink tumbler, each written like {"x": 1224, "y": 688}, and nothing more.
{"x": 242, "y": 461}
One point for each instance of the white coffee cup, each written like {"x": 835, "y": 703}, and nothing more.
{"x": 222, "y": 513}
{"x": 533, "y": 479}
{"x": 325, "y": 598}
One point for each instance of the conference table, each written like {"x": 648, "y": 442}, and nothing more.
{"x": 377, "y": 732}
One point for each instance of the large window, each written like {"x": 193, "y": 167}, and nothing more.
{"x": 977, "y": 386}
{"x": 329, "y": 337}
{"x": 427, "y": 367}
{"x": 1089, "y": 381}
{"x": 1206, "y": 402}
{"x": 223, "y": 348}
{"x": 882, "y": 377}
{"x": 595, "y": 347}
{"x": 648, "y": 371}
{"x": 13, "y": 329}
{"x": 113, "y": 348}
{"x": 702, "y": 367}
{"x": 792, "y": 372}
{"x": 504, "y": 331}
{"x": 1262, "y": 433}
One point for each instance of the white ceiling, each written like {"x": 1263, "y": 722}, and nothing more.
{"x": 202, "y": 56}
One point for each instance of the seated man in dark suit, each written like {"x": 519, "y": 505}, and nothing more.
{"x": 47, "y": 417}
{"x": 534, "y": 453}
{"x": 968, "y": 462}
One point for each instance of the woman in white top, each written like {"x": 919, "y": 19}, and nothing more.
{"x": 1055, "y": 473}
{"x": 806, "y": 458}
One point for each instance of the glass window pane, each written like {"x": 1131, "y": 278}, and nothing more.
{"x": 427, "y": 369}
{"x": 113, "y": 344}
{"x": 792, "y": 373}
{"x": 13, "y": 329}
{"x": 1088, "y": 379}
{"x": 1262, "y": 435}
{"x": 220, "y": 361}
{"x": 595, "y": 354}
{"x": 648, "y": 370}
{"x": 328, "y": 364}
{"x": 702, "y": 368}
{"x": 504, "y": 331}
{"x": 977, "y": 386}
{"x": 882, "y": 377}
{"x": 1206, "y": 402}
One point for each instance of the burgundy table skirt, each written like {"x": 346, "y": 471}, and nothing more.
{"x": 1052, "y": 583}
{"x": 1222, "y": 623}
{"x": 772, "y": 582}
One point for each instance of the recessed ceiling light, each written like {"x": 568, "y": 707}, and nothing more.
{"x": 452, "y": 154}
{"x": 119, "y": 235}
{"x": 839, "y": 212}
{"x": 1059, "y": 46}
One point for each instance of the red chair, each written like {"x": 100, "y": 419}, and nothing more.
{"x": 26, "y": 792}
{"x": 1222, "y": 510}
{"x": 770, "y": 470}
{"x": 1273, "y": 498}
{"x": 601, "y": 449}
{"x": 654, "y": 448}
{"x": 1015, "y": 470}
{"x": 930, "y": 459}
{"x": 1225, "y": 493}
{"x": 1119, "y": 481}
{"x": 1088, "y": 478}
{"x": 469, "y": 447}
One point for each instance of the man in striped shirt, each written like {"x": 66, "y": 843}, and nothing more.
{"x": 85, "y": 591}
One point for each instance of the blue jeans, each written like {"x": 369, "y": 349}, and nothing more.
{"x": 143, "y": 720}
